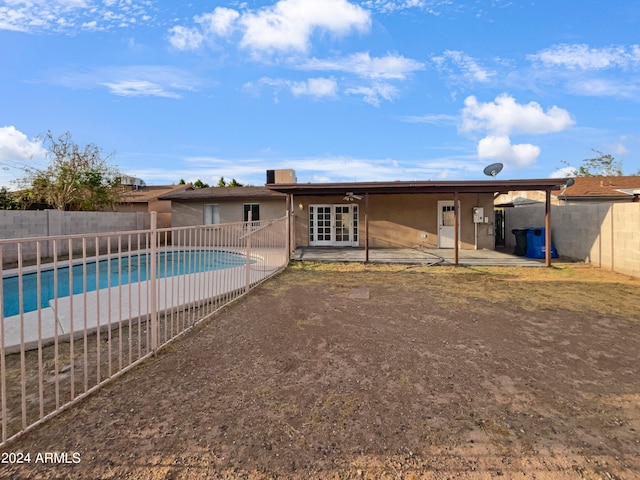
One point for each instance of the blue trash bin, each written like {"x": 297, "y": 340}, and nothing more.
{"x": 536, "y": 244}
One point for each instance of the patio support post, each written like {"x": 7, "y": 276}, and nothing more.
{"x": 292, "y": 226}
{"x": 455, "y": 228}
{"x": 366, "y": 227}
{"x": 547, "y": 228}
{"x": 288, "y": 224}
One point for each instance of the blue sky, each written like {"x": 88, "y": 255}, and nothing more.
{"x": 339, "y": 90}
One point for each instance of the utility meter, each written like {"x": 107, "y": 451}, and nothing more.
{"x": 478, "y": 215}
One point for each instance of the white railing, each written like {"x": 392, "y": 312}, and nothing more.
{"x": 79, "y": 310}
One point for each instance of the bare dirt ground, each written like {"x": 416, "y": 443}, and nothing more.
{"x": 354, "y": 371}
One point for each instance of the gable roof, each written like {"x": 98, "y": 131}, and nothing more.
{"x": 220, "y": 193}
{"x": 601, "y": 188}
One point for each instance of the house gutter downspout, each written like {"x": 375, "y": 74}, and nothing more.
{"x": 547, "y": 228}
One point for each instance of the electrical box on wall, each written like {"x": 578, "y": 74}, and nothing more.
{"x": 478, "y": 215}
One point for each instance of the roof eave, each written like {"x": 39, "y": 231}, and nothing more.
{"x": 474, "y": 186}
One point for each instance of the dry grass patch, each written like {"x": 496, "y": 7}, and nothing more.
{"x": 570, "y": 286}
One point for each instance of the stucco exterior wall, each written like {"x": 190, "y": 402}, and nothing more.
{"x": 606, "y": 235}
{"x": 403, "y": 220}
{"x": 185, "y": 214}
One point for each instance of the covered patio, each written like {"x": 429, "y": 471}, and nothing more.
{"x": 414, "y": 256}
{"x": 306, "y": 204}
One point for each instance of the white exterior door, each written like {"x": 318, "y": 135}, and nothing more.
{"x": 333, "y": 225}
{"x": 445, "y": 224}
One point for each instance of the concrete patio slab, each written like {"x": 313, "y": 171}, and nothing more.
{"x": 414, "y": 256}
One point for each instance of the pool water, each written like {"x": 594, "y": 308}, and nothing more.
{"x": 113, "y": 272}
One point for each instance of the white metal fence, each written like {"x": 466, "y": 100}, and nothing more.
{"x": 79, "y": 310}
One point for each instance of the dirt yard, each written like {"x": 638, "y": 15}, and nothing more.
{"x": 353, "y": 371}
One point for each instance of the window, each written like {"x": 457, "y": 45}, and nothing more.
{"x": 211, "y": 214}
{"x": 254, "y": 208}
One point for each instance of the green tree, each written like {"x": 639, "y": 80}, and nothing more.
{"x": 182, "y": 182}
{"x": 200, "y": 184}
{"x": 77, "y": 178}
{"x": 221, "y": 182}
{"x": 604, "y": 165}
{"x": 8, "y": 200}
{"x": 234, "y": 183}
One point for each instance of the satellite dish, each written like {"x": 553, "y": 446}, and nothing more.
{"x": 570, "y": 181}
{"x": 493, "y": 169}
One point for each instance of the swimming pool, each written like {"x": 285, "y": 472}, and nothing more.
{"x": 104, "y": 273}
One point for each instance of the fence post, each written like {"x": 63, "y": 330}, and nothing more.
{"x": 153, "y": 284}
{"x": 248, "y": 259}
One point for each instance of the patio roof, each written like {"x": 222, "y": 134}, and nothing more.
{"x": 403, "y": 187}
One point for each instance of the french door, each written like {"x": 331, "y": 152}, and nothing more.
{"x": 333, "y": 225}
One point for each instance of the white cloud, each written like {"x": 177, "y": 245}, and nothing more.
{"x": 601, "y": 87}
{"x": 390, "y": 6}
{"x": 563, "y": 172}
{"x": 221, "y": 22}
{"x": 504, "y": 117}
{"x": 583, "y": 57}
{"x": 286, "y": 26}
{"x": 15, "y": 146}
{"x": 500, "y": 148}
{"x": 135, "y": 80}
{"x": 289, "y": 24}
{"x": 313, "y": 87}
{"x": 325, "y": 168}
{"x": 16, "y": 149}
{"x": 470, "y": 69}
{"x": 139, "y": 88}
{"x": 183, "y": 38}
{"x": 433, "y": 119}
{"x": 373, "y": 94}
{"x": 388, "y": 67}
{"x": 68, "y": 16}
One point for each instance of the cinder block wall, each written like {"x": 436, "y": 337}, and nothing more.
{"x": 49, "y": 223}
{"x": 607, "y": 235}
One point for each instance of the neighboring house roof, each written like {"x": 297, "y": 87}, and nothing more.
{"x": 149, "y": 193}
{"x": 460, "y": 186}
{"x": 601, "y": 188}
{"x": 211, "y": 193}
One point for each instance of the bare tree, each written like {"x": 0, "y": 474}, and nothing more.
{"x": 604, "y": 165}
{"x": 77, "y": 178}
